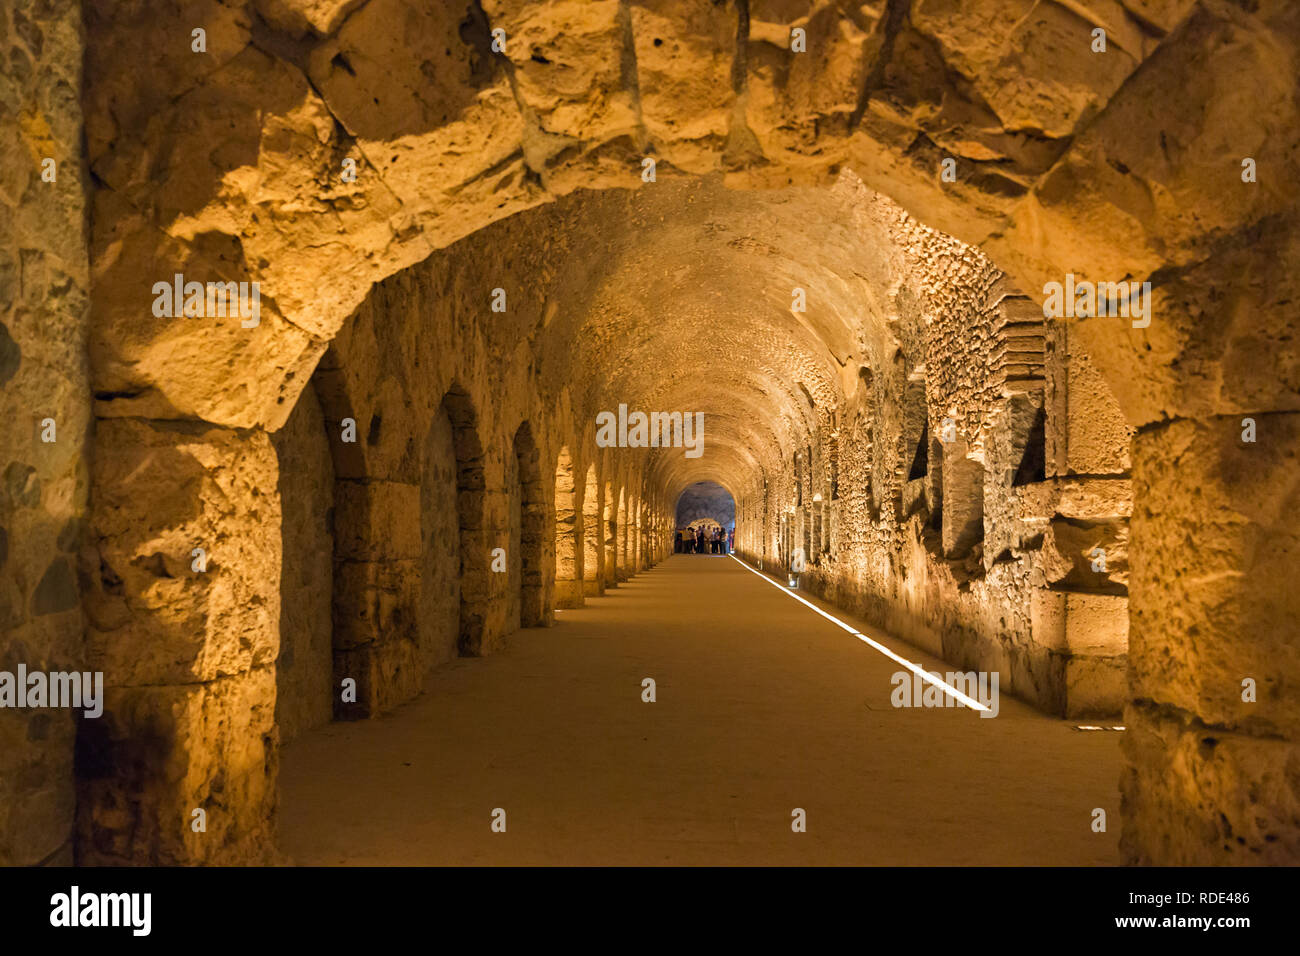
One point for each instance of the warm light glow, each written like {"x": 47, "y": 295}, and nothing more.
{"x": 914, "y": 668}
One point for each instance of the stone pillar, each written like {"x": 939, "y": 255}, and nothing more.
{"x": 376, "y": 595}
{"x": 963, "y": 500}
{"x": 593, "y": 536}
{"x": 568, "y": 539}
{"x": 608, "y": 530}
{"x": 1216, "y": 540}
{"x": 187, "y": 644}
{"x": 624, "y": 569}
{"x": 639, "y": 563}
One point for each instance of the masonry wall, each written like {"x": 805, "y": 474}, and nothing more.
{"x": 44, "y": 413}
{"x": 439, "y": 385}
{"x": 711, "y": 92}
{"x": 940, "y": 502}
{"x": 304, "y": 668}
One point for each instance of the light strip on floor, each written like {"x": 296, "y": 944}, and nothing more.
{"x": 915, "y": 669}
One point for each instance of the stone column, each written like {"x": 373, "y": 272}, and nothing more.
{"x": 624, "y": 570}
{"x": 1212, "y": 777}
{"x": 376, "y": 595}
{"x": 187, "y": 644}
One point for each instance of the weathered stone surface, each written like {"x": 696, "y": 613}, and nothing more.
{"x": 166, "y": 490}
{"x": 685, "y": 53}
{"x": 44, "y": 410}
{"x": 1195, "y": 795}
{"x": 1084, "y": 554}
{"x": 375, "y": 601}
{"x": 1211, "y": 607}
{"x": 305, "y": 667}
{"x": 799, "y": 106}
{"x": 299, "y": 16}
{"x": 161, "y": 752}
{"x": 373, "y": 521}
{"x": 1153, "y": 189}
{"x": 451, "y": 151}
{"x": 387, "y": 674}
{"x": 1080, "y": 498}
{"x": 1091, "y": 436}
{"x": 1082, "y": 624}
{"x": 826, "y": 418}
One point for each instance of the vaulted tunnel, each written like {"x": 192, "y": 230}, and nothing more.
{"x": 521, "y": 312}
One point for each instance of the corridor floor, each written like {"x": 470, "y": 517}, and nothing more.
{"x": 763, "y": 706}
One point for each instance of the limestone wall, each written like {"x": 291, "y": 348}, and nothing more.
{"x": 926, "y": 504}
{"x": 44, "y": 412}
{"x": 440, "y": 386}
{"x": 303, "y": 671}
{"x": 1122, "y": 165}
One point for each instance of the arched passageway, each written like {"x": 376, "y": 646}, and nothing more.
{"x": 989, "y": 328}
{"x": 707, "y": 506}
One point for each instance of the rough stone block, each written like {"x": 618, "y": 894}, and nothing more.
{"x": 163, "y": 490}
{"x": 1214, "y": 606}
{"x": 1085, "y": 555}
{"x": 1080, "y": 624}
{"x": 387, "y": 674}
{"x": 963, "y": 500}
{"x": 159, "y": 753}
{"x": 1095, "y": 686}
{"x": 569, "y": 593}
{"x": 1203, "y": 796}
{"x": 376, "y": 521}
{"x": 375, "y": 601}
{"x": 684, "y": 54}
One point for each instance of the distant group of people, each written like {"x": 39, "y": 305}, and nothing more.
{"x": 703, "y": 542}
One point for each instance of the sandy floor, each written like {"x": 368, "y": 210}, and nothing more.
{"x": 763, "y": 706}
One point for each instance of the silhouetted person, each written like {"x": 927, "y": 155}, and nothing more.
{"x": 722, "y": 541}
{"x": 699, "y": 542}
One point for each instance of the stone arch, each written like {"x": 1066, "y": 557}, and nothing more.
{"x": 379, "y": 528}
{"x": 568, "y": 528}
{"x": 1043, "y": 205}
{"x": 532, "y": 528}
